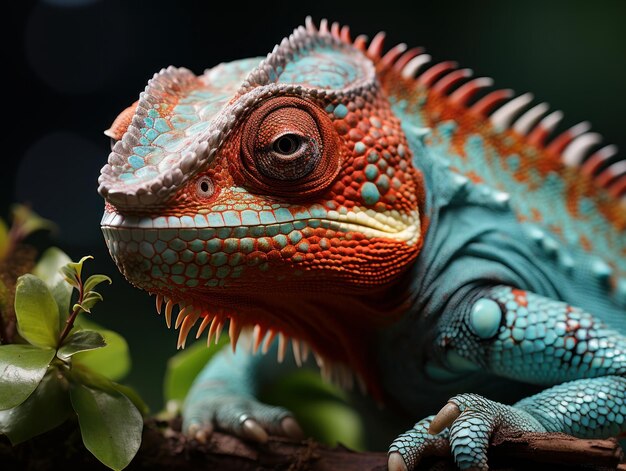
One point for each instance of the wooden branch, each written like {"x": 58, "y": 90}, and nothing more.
{"x": 541, "y": 451}
{"x": 164, "y": 448}
{"x": 557, "y": 448}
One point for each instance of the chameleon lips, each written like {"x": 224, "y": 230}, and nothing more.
{"x": 392, "y": 224}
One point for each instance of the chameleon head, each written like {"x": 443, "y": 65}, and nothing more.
{"x": 246, "y": 192}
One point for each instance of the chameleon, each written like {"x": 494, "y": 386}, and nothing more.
{"x": 395, "y": 223}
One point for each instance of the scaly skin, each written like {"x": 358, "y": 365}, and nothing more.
{"x": 429, "y": 246}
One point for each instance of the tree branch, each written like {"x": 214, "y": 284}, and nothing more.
{"x": 165, "y": 448}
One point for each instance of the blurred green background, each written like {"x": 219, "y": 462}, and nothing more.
{"x": 72, "y": 65}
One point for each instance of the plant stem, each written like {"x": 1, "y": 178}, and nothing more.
{"x": 69, "y": 323}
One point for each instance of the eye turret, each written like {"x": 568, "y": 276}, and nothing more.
{"x": 289, "y": 147}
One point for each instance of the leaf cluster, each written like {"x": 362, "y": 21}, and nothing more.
{"x": 68, "y": 366}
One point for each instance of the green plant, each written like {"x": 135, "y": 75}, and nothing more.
{"x": 68, "y": 365}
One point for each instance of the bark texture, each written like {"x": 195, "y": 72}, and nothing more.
{"x": 164, "y": 447}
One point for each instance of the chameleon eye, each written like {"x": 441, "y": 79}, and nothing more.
{"x": 204, "y": 187}
{"x": 289, "y": 147}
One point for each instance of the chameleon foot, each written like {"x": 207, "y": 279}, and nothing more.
{"x": 463, "y": 428}
{"x": 241, "y": 416}
{"x": 472, "y": 419}
{"x": 406, "y": 451}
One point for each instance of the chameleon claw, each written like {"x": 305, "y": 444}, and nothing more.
{"x": 203, "y": 435}
{"x": 444, "y": 418}
{"x": 253, "y": 431}
{"x": 200, "y": 433}
{"x": 193, "y": 429}
{"x": 292, "y": 429}
{"x": 396, "y": 462}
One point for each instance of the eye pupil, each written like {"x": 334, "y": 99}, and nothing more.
{"x": 287, "y": 144}
{"x": 204, "y": 187}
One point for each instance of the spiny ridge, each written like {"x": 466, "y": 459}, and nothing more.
{"x": 252, "y": 338}
{"x": 575, "y": 147}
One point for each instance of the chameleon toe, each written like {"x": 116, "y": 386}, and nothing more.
{"x": 292, "y": 429}
{"x": 200, "y": 432}
{"x": 395, "y": 462}
{"x": 252, "y": 430}
{"x": 414, "y": 444}
{"x": 448, "y": 414}
{"x": 204, "y": 434}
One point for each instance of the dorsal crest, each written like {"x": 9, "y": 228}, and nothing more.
{"x": 316, "y": 60}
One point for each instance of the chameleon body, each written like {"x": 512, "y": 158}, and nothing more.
{"x": 398, "y": 221}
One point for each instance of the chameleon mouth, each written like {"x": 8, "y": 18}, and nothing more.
{"x": 399, "y": 226}
{"x": 253, "y": 337}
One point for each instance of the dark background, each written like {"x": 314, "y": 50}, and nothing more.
{"x": 74, "y": 64}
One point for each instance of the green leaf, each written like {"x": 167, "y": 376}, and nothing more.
{"x": 37, "y": 312}
{"x": 89, "y": 301}
{"x": 113, "y": 361}
{"x": 21, "y": 369}
{"x": 49, "y": 270}
{"x": 95, "y": 280}
{"x": 29, "y": 221}
{"x": 134, "y": 396}
{"x": 77, "y": 267}
{"x": 4, "y": 239}
{"x": 183, "y": 368}
{"x": 46, "y": 408}
{"x": 80, "y": 341}
{"x": 48, "y": 266}
{"x": 70, "y": 276}
{"x": 95, "y": 379}
{"x": 110, "y": 424}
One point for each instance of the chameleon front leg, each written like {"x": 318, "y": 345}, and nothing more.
{"x": 520, "y": 335}
{"x": 223, "y": 395}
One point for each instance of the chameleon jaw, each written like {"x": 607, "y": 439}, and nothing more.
{"x": 254, "y": 338}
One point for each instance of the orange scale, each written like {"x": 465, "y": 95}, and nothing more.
{"x": 352, "y": 120}
{"x": 341, "y": 127}
{"x": 359, "y": 163}
{"x": 274, "y": 255}
{"x": 355, "y": 135}
{"x": 352, "y": 193}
